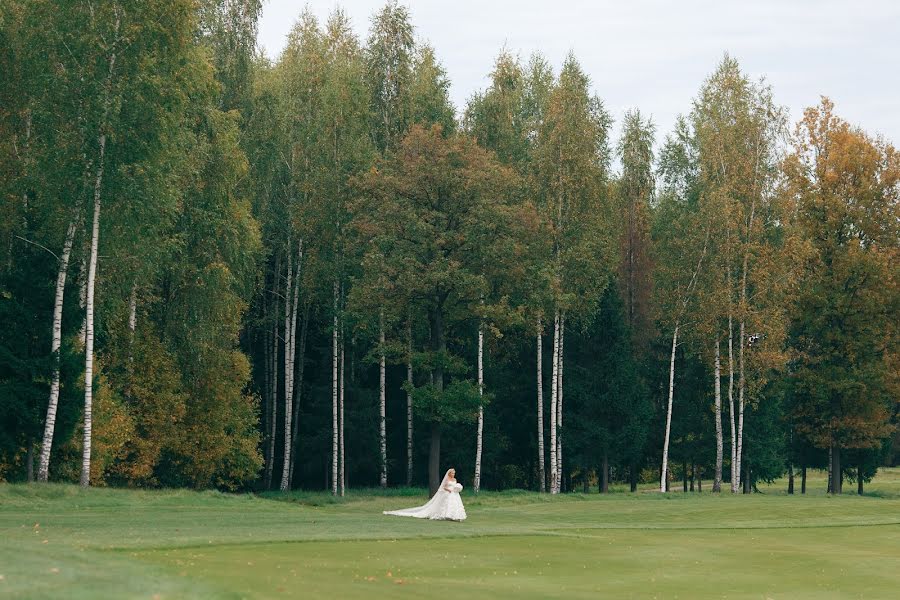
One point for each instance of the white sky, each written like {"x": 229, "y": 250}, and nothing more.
{"x": 654, "y": 54}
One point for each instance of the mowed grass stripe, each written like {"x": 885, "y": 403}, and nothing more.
{"x": 634, "y": 564}
{"x": 61, "y": 541}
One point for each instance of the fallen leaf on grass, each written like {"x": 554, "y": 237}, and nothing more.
{"x": 400, "y": 581}
{"x": 54, "y": 570}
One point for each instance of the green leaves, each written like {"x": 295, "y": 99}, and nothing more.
{"x": 458, "y": 402}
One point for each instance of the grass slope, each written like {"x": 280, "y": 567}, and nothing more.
{"x": 60, "y": 541}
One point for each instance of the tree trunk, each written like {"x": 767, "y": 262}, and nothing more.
{"x": 830, "y": 486}
{"x": 273, "y": 424}
{"x": 290, "y": 348}
{"x": 633, "y": 477}
{"x": 604, "y": 475}
{"x": 89, "y": 326}
{"x": 50, "y": 421}
{"x": 298, "y": 390}
{"x": 132, "y": 314}
{"x": 746, "y": 481}
{"x": 554, "y": 398}
{"x": 343, "y": 474}
{"x": 684, "y": 476}
{"x": 665, "y": 457}
{"x": 742, "y": 380}
{"x": 693, "y": 473}
{"x": 585, "y": 480}
{"x": 382, "y": 402}
{"x": 476, "y": 484}
{"x": 836, "y": 472}
{"x": 267, "y": 388}
{"x": 409, "y": 404}
{"x": 742, "y": 385}
{"x": 92, "y": 276}
{"x": 82, "y": 298}
{"x": 699, "y": 480}
{"x": 717, "y": 381}
{"x": 803, "y": 479}
{"x": 859, "y": 480}
{"x": 559, "y": 407}
{"x": 540, "y": 407}
{"x": 334, "y": 394}
{"x": 790, "y": 479}
{"x": 734, "y": 477}
{"x": 132, "y": 328}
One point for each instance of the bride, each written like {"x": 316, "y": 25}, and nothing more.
{"x": 444, "y": 505}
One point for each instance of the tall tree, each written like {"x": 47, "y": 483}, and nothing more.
{"x": 390, "y": 56}
{"x": 738, "y": 128}
{"x": 636, "y": 188}
{"x": 571, "y": 166}
{"x": 845, "y": 186}
{"x": 433, "y": 207}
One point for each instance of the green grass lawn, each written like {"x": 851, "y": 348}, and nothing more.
{"x": 58, "y": 541}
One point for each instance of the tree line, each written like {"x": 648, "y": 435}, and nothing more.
{"x": 221, "y": 270}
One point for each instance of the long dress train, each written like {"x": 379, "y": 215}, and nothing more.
{"x": 445, "y": 505}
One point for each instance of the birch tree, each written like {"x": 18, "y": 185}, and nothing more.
{"x": 92, "y": 261}
{"x": 291, "y": 300}
{"x": 738, "y": 127}
{"x": 572, "y": 158}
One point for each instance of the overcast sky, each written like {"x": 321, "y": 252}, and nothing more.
{"x": 654, "y": 54}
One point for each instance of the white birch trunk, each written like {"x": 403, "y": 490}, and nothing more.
{"x": 132, "y": 327}
{"x": 476, "y": 484}
{"x": 540, "y": 406}
{"x": 717, "y": 481}
{"x": 288, "y": 334}
{"x": 409, "y": 406}
{"x": 343, "y": 473}
{"x": 334, "y": 395}
{"x": 559, "y": 406}
{"x": 91, "y": 279}
{"x": 290, "y": 348}
{"x": 742, "y": 331}
{"x": 741, "y": 388}
{"x": 298, "y": 389}
{"x": 382, "y": 402}
{"x": 82, "y": 297}
{"x": 684, "y": 305}
{"x": 554, "y": 387}
{"x": 734, "y": 477}
{"x": 273, "y": 424}
{"x": 132, "y": 313}
{"x": 665, "y": 456}
{"x": 56, "y": 342}
{"x": 89, "y": 326}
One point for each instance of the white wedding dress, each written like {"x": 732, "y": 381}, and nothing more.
{"x": 445, "y": 505}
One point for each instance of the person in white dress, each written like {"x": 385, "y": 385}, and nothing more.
{"x": 445, "y": 505}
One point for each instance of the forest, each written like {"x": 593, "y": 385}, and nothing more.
{"x": 220, "y": 270}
